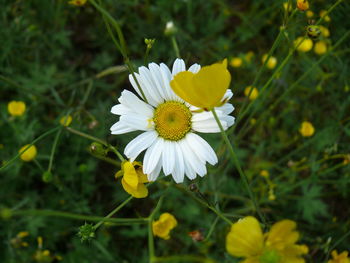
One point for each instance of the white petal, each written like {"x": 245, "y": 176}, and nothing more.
{"x": 131, "y": 101}
{"x": 227, "y": 108}
{"x": 145, "y": 88}
{"x": 208, "y": 126}
{"x": 228, "y": 95}
{"x": 152, "y": 156}
{"x": 157, "y": 79}
{"x": 150, "y": 85}
{"x": 155, "y": 173}
{"x": 194, "y": 68}
{"x": 120, "y": 109}
{"x": 137, "y": 121}
{"x": 192, "y": 159}
{"x": 139, "y": 144}
{"x": 179, "y": 168}
{"x": 178, "y": 66}
{"x": 121, "y": 128}
{"x": 201, "y": 148}
{"x": 168, "y": 156}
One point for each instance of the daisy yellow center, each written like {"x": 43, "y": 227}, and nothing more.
{"x": 172, "y": 120}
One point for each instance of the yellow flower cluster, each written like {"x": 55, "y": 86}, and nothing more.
{"x": 164, "y": 225}
{"x": 247, "y": 240}
{"x": 303, "y": 5}
{"x": 204, "y": 89}
{"x": 133, "y": 179}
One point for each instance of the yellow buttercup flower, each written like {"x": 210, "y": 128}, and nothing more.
{"x": 66, "y": 120}
{"x": 320, "y": 47}
{"x": 77, "y": 2}
{"x": 264, "y": 173}
{"x": 133, "y": 179}
{"x": 29, "y": 154}
{"x": 18, "y": 242}
{"x": 339, "y": 258}
{"x": 324, "y": 31}
{"x": 204, "y": 89}
{"x": 164, "y": 225}
{"x": 271, "y": 63}
{"x": 236, "y": 62}
{"x": 303, "y": 5}
{"x": 303, "y": 45}
{"x": 247, "y": 240}
{"x": 16, "y": 108}
{"x": 253, "y": 92}
{"x": 325, "y": 16}
{"x": 307, "y": 129}
{"x": 309, "y": 14}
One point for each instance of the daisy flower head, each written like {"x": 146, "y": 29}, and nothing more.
{"x": 168, "y": 124}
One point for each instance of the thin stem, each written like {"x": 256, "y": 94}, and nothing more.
{"x": 113, "y": 212}
{"x": 150, "y": 230}
{"x": 33, "y": 142}
{"x": 240, "y": 171}
{"x": 49, "y": 213}
{"x": 175, "y": 46}
{"x": 53, "y": 149}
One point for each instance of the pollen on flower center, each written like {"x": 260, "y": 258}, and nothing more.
{"x": 172, "y": 120}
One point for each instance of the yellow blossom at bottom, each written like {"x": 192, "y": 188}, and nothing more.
{"x": 164, "y": 225}
{"x": 29, "y": 154}
{"x": 252, "y": 91}
{"x": 133, "y": 179}
{"x": 320, "y": 47}
{"x": 307, "y": 129}
{"x": 339, "y": 258}
{"x": 246, "y": 240}
{"x": 16, "y": 108}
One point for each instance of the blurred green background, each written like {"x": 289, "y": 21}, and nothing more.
{"x": 50, "y": 55}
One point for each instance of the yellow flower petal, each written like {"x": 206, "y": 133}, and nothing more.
{"x": 164, "y": 225}
{"x": 282, "y": 234}
{"x": 130, "y": 175}
{"x": 29, "y": 154}
{"x": 140, "y": 191}
{"x": 204, "y": 89}
{"x": 245, "y": 238}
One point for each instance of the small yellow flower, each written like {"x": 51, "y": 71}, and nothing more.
{"x": 253, "y": 92}
{"x": 264, "y": 173}
{"x": 309, "y": 14}
{"x": 307, "y": 129}
{"x": 325, "y": 16}
{"x": 77, "y": 2}
{"x": 66, "y": 120}
{"x": 164, "y": 225}
{"x": 18, "y": 242}
{"x": 303, "y": 5}
{"x": 249, "y": 56}
{"x": 247, "y": 240}
{"x": 29, "y": 154}
{"x": 303, "y": 45}
{"x": 320, "y": 47}
{"x": 271, "y": 63}
{"x": 339, "y": 258}
{"x": 236, "y": 62}
{"x": 133, "y": 179}
{"x": 324, "y": 31}
{"x": 16, "y": 108}
{"x": 204, "y": 89}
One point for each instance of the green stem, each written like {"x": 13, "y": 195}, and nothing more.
{"x": 113, "y": 212}
{"x": 240, "y": 171}
{"x": 54, "y": 146}
{"x": 175, "y": 46}
{"x": 150, "y": 230}
{"x": 49, "y": 213}
{"x": 35, "y": 141}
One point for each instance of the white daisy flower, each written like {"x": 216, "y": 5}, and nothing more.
{"x": 168, "y": 124}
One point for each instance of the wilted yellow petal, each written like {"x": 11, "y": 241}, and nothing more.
{"x": 245, "y": 238}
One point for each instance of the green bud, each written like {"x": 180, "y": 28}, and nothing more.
{"x": 86, "y": 232}
{"x": 149, "y": 42}
{"x": 98, "y": 149}
{"x": 170, "y": 29}
{"x": 47, "y": 177}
